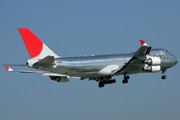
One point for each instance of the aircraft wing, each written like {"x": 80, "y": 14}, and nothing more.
{"x": 135, "y": 63}
{"x": 143, "y": 50}
{"x": 56, "y": 76}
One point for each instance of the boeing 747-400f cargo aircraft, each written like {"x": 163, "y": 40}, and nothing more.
{"x": 100, "y": 68}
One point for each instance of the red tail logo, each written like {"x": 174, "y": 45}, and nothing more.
{"x": 33, "y": 44}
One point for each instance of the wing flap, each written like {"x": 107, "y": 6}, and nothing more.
{"x": 54, "y": 74}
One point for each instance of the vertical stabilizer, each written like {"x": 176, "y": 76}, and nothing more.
{"x": 35, "y": 47}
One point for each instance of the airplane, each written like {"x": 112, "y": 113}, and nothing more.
{"x": 100, "y": 68}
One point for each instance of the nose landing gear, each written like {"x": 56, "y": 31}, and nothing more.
{"x": 163, "y": 76}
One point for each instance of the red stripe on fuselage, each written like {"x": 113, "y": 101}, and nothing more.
{"x": 33, "y": 44}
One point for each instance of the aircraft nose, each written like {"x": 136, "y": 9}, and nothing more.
{"x": 175, "y": 60}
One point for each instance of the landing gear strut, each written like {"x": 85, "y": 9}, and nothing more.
{"x": 163, "y": 76}
{"x": 126, "y": 77}
{"x": 101, "y": 84}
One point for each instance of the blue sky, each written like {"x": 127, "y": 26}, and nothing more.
{"x": 76, "y": 28}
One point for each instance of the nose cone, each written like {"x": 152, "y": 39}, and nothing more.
{"x": 175, "y": 60}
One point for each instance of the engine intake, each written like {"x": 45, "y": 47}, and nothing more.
{"x": 153, "y": 61}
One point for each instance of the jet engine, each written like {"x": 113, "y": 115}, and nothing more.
{"x": 153, "y": 61}
{"x": 60, "y": 78}
{"x": 149, "y": 68}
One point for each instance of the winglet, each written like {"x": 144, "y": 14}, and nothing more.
{"x": 142, "y": 42}
{"x": 8, "y": 69}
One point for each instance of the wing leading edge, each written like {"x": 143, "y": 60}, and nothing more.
{"x": 134, "y": 65}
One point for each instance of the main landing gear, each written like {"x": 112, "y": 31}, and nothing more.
{"x": 163, "y": 76}
{"x": 108, "y": 80}
{"x": 103, "y": 82}
{"x": 126, "y": 78}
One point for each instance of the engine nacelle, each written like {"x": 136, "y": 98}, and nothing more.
{"x": 153, "y": 61}
{"x": 60, "y": 78}
{"x": 152, "y": 68}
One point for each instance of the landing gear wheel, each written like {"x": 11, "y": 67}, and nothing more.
{"x": 58, "y": 79}
{"x": 125, "y": 81}
{"x": 101, "y": 84}
{"x": 113, "y": 81}
{"x": 164, "y": 77}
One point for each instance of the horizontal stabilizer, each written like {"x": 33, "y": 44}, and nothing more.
{"x": 49, "y": 60}
{"x": 14, "y": 65}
